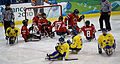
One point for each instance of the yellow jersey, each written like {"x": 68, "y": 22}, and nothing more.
{"x": 64, "y": 48}
{"x": 105, "y": 40}
{"x": 77, "y": 42}
{"x": 11, "y": 32}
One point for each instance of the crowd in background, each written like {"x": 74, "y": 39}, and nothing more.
{"x": 2, "y": 2}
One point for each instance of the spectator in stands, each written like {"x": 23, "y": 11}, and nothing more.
{"x": 22, "y": 1}
{"x": 3, "y": 2}
{"x": 38, "y": 3}
{"x": 7, "y": 16}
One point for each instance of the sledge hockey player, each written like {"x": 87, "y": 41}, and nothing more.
{"x": 62, "y": 51}
{"x": 43, "y": 25}
{"x": 60, "y": 27}
{"x": 26, "y": 32}
{"x": 35, "y": 19}
{"x": 107, "y": 42}
{"x": 73, "y": 18}
{"x": 76, "y": 44}
{"x": 89, "y": 31}
{"x": 34, "y": 28}
{"x": 12, "y": 33}
{"x": 51, "y": 33}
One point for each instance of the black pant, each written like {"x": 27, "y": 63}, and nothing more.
{"x": 6, "y": 25}
{"x": 106, "y": 17}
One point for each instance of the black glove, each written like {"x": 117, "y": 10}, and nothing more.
{"x": 69, "y": 42}
{"x": 56, "y": 48}
{"x": 82, "y": 17}
{"x": 100, "y": 51}
{"x": 114, "y": 46}
{"x": 6, "y": 37}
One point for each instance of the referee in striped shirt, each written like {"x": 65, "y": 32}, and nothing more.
{"x": 7, "y": 16}
{"x": 105, "y": 14}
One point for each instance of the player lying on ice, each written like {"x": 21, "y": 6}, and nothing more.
{"x": 26, "y": 32}
{"x": 60, "y": 27}
{"x": 76, "y": 44}
{"x": 89, "y": 30}
{"x": 62, "y": 51}
{"x": 73, "y": 18}
{"x": 107, "y": 42}
{"x": 12, "y": 33}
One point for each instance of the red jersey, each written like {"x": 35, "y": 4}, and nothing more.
{"x": 35, "y": 20}
{"x": 42, "y": 22}
{"x": 50, "y": 28}
{"x": 59, "y": 26}
{"x": 72, "y": 19}
{"x": 24, "y": 32}
{"x": 88, "y": 31}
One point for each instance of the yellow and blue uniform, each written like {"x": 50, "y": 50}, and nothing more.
{"x": 77, "y": 42}
{"x": 11, "y": 32}
{"x": 62, "y": 51}
{"x": 106, "y": 41}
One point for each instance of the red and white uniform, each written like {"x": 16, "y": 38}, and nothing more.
{"x": 24, "y": 32}
{"x": 35, "y": 20}
{"x": 72, "y": 19}
{"x": 89, "y": 31}
{"x": 41, "y": 22}
{"x": 59, "y": 26}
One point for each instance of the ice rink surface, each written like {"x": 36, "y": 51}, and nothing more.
{"x": 35, "y": 52}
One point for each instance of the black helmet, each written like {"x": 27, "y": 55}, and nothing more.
{"x": 61, "y": 39}
{"x": 25, "y": 21}
{"x": 43, "y": 14}
{"x": 12, "y": 23}
{"x": 87, "y": 22}
{"x": 49, "y": 23}
{"x": 60, "y": 18}
{"x": 76, "y": 11}
{"x": 7, "y": 4}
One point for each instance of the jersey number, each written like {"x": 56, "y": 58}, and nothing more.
{"x": 58, "y": 26}
{"x": 88, "y": 33}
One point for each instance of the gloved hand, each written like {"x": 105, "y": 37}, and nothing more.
{"x": 56, "y": 48}
{"x": 16, "y": 31}
{"x": 6, "y": 37}
{"x": 69, "y": 42}
{"x": 82, "y": 17}
{"x": 100, "y": 51}
{"x": 114, "y": 46}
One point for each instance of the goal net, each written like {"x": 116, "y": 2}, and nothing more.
{"x": 52, "y": 12}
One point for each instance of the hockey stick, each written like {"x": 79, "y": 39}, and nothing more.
{"x": 71, "y": 59}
